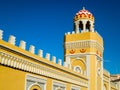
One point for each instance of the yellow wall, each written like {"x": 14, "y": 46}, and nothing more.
{"x": 14, "y": 79}
{"x": 83, "y": 36}
{"x": 49, "y": 84}
{"x": 11, "y": 79}
{"x": 93, "y": 72}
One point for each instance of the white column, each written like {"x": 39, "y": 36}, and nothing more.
{"x": 68, "y": 64}
{"x": 91, "y": 26}
{"x": 84, "y": 25}
{"x": 77, "y": 27}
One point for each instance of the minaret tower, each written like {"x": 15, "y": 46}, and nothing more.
{"x": 83, "y": 49}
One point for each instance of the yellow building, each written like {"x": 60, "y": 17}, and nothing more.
{"x": 83, "y": 62}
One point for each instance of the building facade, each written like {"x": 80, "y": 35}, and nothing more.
{"x": 83, "y": 62}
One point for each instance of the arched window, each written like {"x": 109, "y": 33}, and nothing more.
{"x": 88, "y": 25}
{"x": 35, "y": 87}
{"x": 80, "y": 26}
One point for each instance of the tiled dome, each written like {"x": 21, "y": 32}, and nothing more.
{"x": 83, "y": 14}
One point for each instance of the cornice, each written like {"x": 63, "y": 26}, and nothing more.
{"x": 18, "y": 63}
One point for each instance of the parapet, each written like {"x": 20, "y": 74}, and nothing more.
{"x": 22, "y": 45}
{"x": 73, "y": 32}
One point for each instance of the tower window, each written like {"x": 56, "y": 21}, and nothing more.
{"x": 88, "y": 25}
{"x": 80, "y": 26}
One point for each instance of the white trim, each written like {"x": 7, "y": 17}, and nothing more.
{"x": 88, "y": 69}
{"x": 96, "y": 73}
{"x": 59, "y": 84}
{"x": 33, "y": 85}
{"x": 68, "y": 62}
{"x": 88, "y": 65}
{"x": 36, "y": 79}
{"x": 58, "y": 88}
{"x": 84, "y": 41}
{"x": 82, "y": 54}
{"x": 75, "y": 87}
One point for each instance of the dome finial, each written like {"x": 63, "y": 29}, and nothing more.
{"x": 83, "y": 8}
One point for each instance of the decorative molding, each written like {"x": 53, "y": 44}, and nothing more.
{"x": 36, "y": 79}
{"x": 72, "y": 51}
{"x": 82, "y": 50}
{"x": 32, "y": 80}
{"x": 75, "y": 87}
{"x": 60, "y": 84}
{"x": 82, "y": 54}
{"x": 25, "y": 65}
{"x": 84, "y": 44}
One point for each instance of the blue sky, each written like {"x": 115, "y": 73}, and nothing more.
{"x": 43, "y": 24}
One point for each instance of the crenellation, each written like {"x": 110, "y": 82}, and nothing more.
{"x": 73, "y": 32}
{"x": 32, "y": 49}
{"x": 47, "y": 56}
{"x": 1, "y": 34}
{"x": 54, "y": 59}
{"x": 40, "y": 53}
{"x": 22, "y": 44}
{"x": 68, "y": 33}
{"x": 59, "y": 61}
{"x": 12, "y": 39}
